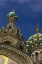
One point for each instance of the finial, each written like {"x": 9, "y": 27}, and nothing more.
{"x": 13, "y": 9}
{"x": 37, "y": 28}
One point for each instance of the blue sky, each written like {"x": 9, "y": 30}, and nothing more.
{"x": 28, "y": 11}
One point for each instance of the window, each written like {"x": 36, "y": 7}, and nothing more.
{"x": 20, "y": 47}
{"x": 36, "y": 55}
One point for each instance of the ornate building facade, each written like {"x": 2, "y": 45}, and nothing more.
{"x": 13, "y": 47}
{"x": 34, "y": 45}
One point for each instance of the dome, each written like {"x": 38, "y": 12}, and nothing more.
{"x": 12, "y": 14}
{"x": 35, "y": 39}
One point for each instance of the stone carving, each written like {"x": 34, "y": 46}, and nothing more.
{"x": 14, "y": 54}
{"x": 12, "y": 43}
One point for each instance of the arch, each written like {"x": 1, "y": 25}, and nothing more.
{"x": 21, "y": 47}
{"x": 13, "y": 41}
{"x": 37, "y": 57}
{"x": 7, "y": 60}
{"x": 36, "y": 49}
{"x": 14, "y": 54}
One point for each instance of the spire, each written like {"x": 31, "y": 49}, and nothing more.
{"x": 12, "y": 10}
{"x": 37, "y": 28}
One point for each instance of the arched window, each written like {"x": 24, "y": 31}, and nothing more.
{"x": 37, "y": 56}
{"x": 20, "y": 47}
